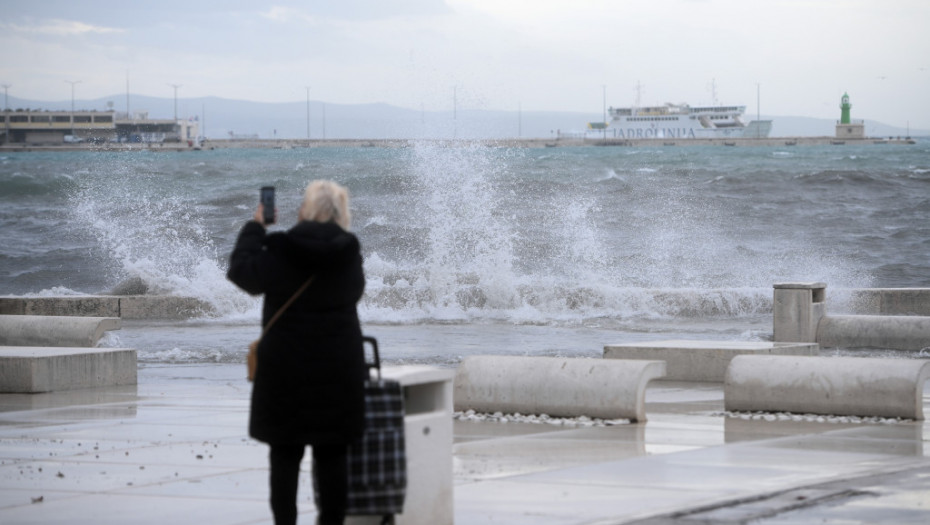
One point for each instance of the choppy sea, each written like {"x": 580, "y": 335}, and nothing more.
{"x": 474, "y": 249}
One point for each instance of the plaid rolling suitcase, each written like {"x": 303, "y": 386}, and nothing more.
{"x": 378, "y": 463}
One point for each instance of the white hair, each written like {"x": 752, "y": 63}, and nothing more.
{"x": 325, "y": 201}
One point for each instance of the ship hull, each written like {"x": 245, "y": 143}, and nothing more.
{"x": 685, "y": 130}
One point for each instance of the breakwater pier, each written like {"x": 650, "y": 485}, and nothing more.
{"x": 213, "y": 144}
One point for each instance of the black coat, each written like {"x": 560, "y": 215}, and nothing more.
{"x": 311, "y": 367}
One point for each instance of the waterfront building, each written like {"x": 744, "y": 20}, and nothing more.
{"x": 36, "y": 127}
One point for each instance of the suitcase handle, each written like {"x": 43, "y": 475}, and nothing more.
{"x": 374, "y": 346}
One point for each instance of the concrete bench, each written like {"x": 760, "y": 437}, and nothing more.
{"x": 31, "y": 369}
{"x": 702, "y": 360}
{"x": 843, "y": 386}
{"x": 53, "y": 330}
{"x": 562, "y": 387}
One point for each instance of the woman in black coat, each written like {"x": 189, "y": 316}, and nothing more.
{"x": 311, "y": 370}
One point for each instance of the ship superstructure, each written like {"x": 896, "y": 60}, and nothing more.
{"x": 681, "y": 121}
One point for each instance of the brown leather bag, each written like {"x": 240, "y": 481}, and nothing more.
{"x": 251, "y": 359}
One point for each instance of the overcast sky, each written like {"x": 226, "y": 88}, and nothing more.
{"x": 538, "y": 55}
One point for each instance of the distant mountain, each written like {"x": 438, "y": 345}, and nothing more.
{"x": 221, "y": 117}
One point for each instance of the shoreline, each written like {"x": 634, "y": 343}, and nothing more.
{"x": 286, "y": 144}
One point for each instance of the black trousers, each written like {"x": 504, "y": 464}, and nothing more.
{"x": 332, "y": 478}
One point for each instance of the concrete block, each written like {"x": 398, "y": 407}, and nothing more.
{"x": 865, "y": 302}
{"x": 896, "y": 332}
{"x": 891, "y": 301}
{"x": 127, "y": 307}
{"x": 563, "y": 387}
{"x": 162, "y": 307}
{"x": 53, "y": 330}
{"x": 843, "y": 386}
{"x": 91, "y": 306}
{"x": 905, "y": 301}
{"x": 44, "y": 369}
{"x": 702, "y": 360}
{"x": 12, "y": 306}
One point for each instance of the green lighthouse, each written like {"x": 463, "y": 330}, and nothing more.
{"x": 846, "y": 128}
{"x": 845, "y": 106}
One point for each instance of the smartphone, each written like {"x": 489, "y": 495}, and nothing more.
{"x": 267, "y": 200}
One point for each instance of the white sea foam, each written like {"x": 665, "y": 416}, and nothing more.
{"x": 463, "y": 236}
{"x": 460, "y": 232}
{"x": 178, "y": 355}
{"x": 536, "y": 419}
{"x": 150, "y": 233}
{"x": 612, "y": 175}
{"x": 58, "y": 291}
{"x": 376, "y": 221}
{"x": 470, "y": 267}
{"x": 812, "y": 418}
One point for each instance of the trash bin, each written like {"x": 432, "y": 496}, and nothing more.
{"x": 428, "y": 435}
{"x": 797, "y": 309}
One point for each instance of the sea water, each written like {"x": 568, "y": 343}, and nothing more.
{"x": 473, "y": 249}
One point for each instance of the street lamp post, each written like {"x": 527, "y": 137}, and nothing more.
{"x": 175, "y": 86}
{"x": 604, "y": 87}
{"x": 758, "y": 112}
{"x": 6, "y": 112}
{"x": 73, "y": 83}
{"x": 308, "y": 113}
{"x": 176, "y": 127}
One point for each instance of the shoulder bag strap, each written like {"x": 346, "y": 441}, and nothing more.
{"x": 287, "y": 304}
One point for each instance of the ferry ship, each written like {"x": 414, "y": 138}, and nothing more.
{"x": 680, "y": 121}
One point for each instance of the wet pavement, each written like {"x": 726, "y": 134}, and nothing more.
{"x": 174, "y": 449}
